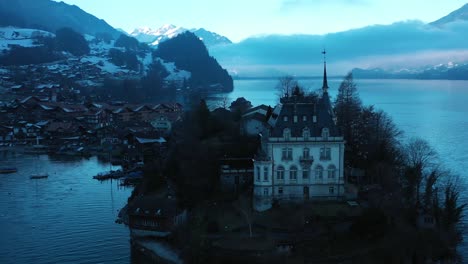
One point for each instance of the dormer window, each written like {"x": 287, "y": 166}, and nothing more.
{"x": 295, "y": 119}
{"x": 306, "y": 133}
{"x": 287, "y": 133}
{"x": 325, "y": 133}
{"x": 304, "y": 118}
{"x": 285, "y": 118}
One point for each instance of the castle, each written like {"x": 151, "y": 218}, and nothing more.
{"x": 302, "y": 152}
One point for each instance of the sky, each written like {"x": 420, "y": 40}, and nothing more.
{"x": 240, "y": 19}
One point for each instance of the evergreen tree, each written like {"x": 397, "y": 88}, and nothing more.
{"x": 348, "y": 108}
{"x": 127, "y": 42}
{"x": 69, "y": 40}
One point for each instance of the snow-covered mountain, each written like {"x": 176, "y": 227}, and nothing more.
{"x": 168, "y": 31}
{"x": 156, "y": 36}
{"x": 97, "y": 61}
{"x": 447, "y": 71}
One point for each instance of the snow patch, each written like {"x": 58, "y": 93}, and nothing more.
{"x": 174, "y": 73}
{"x": 147, "y": 60}
{"x": 104, "y": 64}
{"x": 24, "y": 37}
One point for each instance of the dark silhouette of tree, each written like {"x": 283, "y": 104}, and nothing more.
{"x": 153, "y": 81}
{"x": 348, "y": 110}
{"x": 127, "y": 42}
{"x": 127, "y": 59}
{"x": 240, "y": 105}
{"x": 69, "y": 40}
{"x": 18, "y": 55}
{"x": 452, "y": 211}
{"x": 420, "y": 159}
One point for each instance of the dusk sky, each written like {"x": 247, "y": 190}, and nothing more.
{"x": 239, "y": 19}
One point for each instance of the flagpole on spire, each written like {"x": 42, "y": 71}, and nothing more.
{"x": 325, "y": 80}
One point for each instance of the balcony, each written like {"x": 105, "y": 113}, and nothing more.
{"x": 306, "y": 161}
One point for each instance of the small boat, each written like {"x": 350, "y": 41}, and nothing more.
{"x": 38, "y": 176}
{"x": 6, "y": 170}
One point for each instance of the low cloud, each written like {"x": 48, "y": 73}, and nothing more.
{"x": 410, "y": 43}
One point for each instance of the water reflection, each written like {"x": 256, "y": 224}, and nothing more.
{"x": 66, "y": 218}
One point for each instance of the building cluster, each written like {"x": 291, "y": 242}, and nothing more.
{"x": 67, "y": 76}
{"x": 65, "y": 127}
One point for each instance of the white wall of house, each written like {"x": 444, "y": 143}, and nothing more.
{"x": 283, "y": 177}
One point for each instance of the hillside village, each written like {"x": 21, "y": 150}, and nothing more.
{"x": 72, "y": 105}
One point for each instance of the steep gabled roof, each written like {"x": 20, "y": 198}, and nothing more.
{"x": 296, "y": 114}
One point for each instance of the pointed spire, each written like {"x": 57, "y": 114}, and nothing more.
{"x": 325, "y": 80}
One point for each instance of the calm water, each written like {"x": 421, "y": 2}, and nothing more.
{"x": 67, "y": 218}
{"x": 434, "y": 110}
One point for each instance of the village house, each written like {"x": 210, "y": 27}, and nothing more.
{"x": 254, "y": 120}
{"x": 6, "y": 134}
{"x": 302, "y": 153}
{"x": 163, "y": 122}
{"x": 236, "y": 174}
{"x": 154, "y": 217}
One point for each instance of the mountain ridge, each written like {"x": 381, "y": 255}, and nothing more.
{"x": 50, "y": 15}
{"x": 460, "y": 14}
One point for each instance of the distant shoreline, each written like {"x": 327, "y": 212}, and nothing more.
{"x": 340, "y": 77}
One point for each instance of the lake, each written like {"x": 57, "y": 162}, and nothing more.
{"x": 69, "y": 217}
{"x": 66, "y": 218}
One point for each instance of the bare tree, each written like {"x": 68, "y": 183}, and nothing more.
{"x": 420, "y": 159}
{"x": 223, "y": 102}
{"x": 286, "y": 85}
{"x": 419, "y": 154}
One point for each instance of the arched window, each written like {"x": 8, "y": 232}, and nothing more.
{"x": 280, "y": 173}
{"x": 319, "y": 172}
{"x": 293, "y": 173}
{"x": 331, "y": 171}
{"x": 306, "y": 133}
{"x": 325, "y": 133}
{"x": 287, "y": 133}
